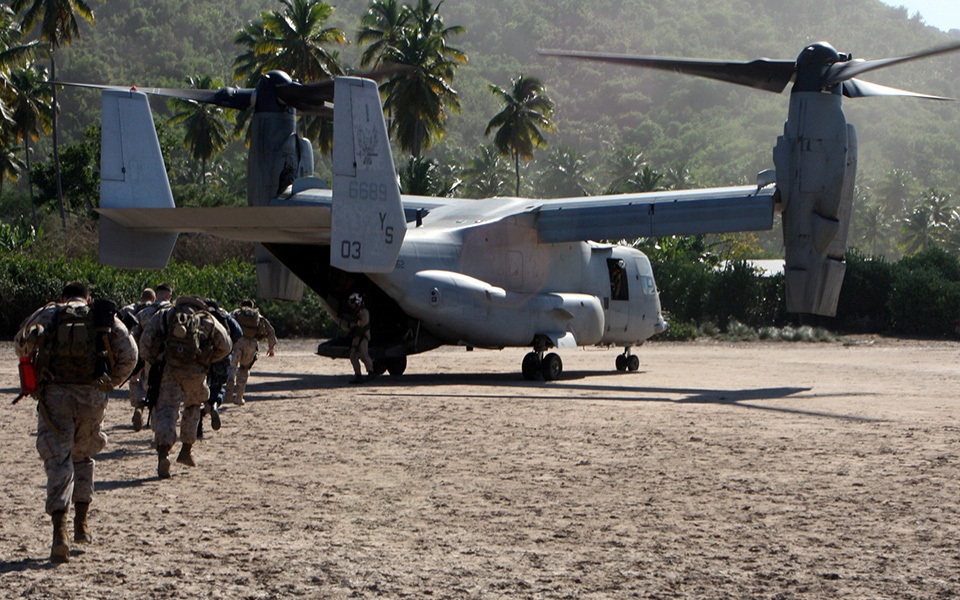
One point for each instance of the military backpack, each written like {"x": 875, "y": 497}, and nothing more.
{"x": 186, "y": 343}
{"x": 76, "y": 347}
{"x": 249, "y": 319}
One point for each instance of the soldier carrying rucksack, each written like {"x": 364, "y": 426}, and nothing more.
{"x": 255, "y": 327}
{"x": 131, "y": 316}
{"x": 79, "y": 350}
{"x": 220, "y": 370}
{"x": 186, "y": 339}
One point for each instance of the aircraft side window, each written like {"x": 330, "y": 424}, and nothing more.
{"x": 618, "y": 279}
{"x": 649, "y": 287}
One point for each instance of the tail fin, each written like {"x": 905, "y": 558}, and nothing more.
{"x": 368, "y": 221}
{"x": 132, "y": 175}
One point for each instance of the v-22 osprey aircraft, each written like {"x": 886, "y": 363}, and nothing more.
{"x": 497, "y": 272}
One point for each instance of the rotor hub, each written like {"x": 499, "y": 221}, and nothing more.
{"x": 266, "y": 94}
{"x": 813, "y": 66}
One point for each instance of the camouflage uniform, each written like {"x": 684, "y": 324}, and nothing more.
{"x": 359, "y": 327}
{"x": 186, "y": 385}
{"x": 138, "y": 382}
{"x": 138, "y": 396}
{"x": 70, "y": 416}
{"x": 245, "y": 354}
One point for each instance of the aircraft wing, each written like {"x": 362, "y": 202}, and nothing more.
{"x": 655, "y": 214}
{"x": 277, "y": 224}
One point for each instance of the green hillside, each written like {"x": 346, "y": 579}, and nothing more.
{"x": 723, "y": 133}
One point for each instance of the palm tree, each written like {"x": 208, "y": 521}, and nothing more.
{"x": 526, "y": 111}
{"x": 486, "y": 174}
{"x": 13, "y": 55}
{"x": 565, "y": 175}
{"x": 917, "y": 229}
{"x": 419, "y": 94}
{"x": 678, "y": 177}
{"x": 291, "y": 40}
{"x": 631, "y": 174}
{"x": 30, "y": 109}
{"x": 381, "y": 28}
{"x": 625, "y": 164}
{"x": 10, "y": 164}
{"x": 871, "y": 228}
{"x": 650, "y": 180}
{"x": 58, "y": 27}
{"x": 206, "y": 124}
{"x": 296, "y": 37}
{"x": 423, "y": 176}
{"x": 896, "y": 191}
{"x": 249, "y": 65}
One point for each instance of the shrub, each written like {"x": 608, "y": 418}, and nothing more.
{"x": 27, "y": 283}
{"x": 864, "y": 303}
{"x": 925, "y": 296}
{"x": 679, "y": 331}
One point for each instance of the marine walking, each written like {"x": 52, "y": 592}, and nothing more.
{"x": 78, "y": 350}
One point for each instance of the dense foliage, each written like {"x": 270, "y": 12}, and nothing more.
{"x": 26, "y": 283}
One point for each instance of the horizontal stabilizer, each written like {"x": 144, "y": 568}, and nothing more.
{"x": 277, "y": 224}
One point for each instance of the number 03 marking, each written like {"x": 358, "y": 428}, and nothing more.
{"x": 350, "y": 249}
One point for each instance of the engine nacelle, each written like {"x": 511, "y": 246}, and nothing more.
{"x": 458, "y": 308}
{"x": 816, "y": 160}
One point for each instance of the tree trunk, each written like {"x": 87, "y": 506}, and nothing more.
{"x": 33, "y": 204}
{"x": 418, "y": 139}
{"x": 516, "y": 164}
{"x": 56, "y": 148}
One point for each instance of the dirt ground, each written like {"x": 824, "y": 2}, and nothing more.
{"x": 784, "y": 470}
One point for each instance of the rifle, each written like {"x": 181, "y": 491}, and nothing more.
{"x": 154, "y": 377}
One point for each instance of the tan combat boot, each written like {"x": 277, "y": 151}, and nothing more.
{"x": 163, "y": 463}
{"x": 184, "y": 458}
{"x": 60, "y": 550}
{"x": 81, "y": 531}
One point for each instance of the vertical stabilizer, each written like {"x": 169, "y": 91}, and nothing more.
{"x": 132, "y": 175}
{"x": 368, "y": 221}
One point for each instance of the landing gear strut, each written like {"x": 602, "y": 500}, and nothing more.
{"x": 536, "y": 365}
{"x": 628, "y": 361}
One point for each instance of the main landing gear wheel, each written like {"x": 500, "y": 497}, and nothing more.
{"x": 535, "y": 365}
{"x": 551, "y": 366}
{"x": 621, "y": 362}
{"x": 627, "y": 361}
{"x": 531, "y": 366}
{"x": 395, "y": 366}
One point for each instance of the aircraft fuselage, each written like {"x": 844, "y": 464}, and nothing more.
{"x": 488, "y": 282}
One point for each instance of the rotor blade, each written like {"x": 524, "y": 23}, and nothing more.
{"x": 842, "y": 71}
{"x": 94, "y": 86}
{"x": 311, "y": 98}
{"x": 228, "y": 97}
{"x": 315, "y": 98}
{"x": 858, "y": 88}
{"x": 762, "y": 73}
